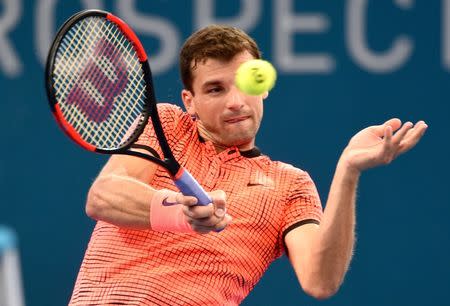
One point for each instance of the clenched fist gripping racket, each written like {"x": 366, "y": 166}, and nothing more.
{"x": 100, "y": 88}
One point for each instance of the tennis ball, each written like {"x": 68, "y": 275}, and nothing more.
{"x": 255, "y": 77}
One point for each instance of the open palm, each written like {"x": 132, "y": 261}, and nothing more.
{"x": 379, "y": 145}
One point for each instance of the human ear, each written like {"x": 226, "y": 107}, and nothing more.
{"x": 188, "y": 101}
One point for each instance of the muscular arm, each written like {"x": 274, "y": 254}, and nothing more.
{"x": 321, "y": 254}
{"x": 121, "y": 195}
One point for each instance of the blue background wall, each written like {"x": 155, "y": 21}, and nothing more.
{"x": 402, "y": 256}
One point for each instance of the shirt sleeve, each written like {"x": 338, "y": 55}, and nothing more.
{"x": 303, "y": 204}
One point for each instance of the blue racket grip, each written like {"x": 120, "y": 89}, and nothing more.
{"x": 190, "y": 187}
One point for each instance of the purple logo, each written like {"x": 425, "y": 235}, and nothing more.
{"x": 103, "y": 78}
{"x": 167, "y": 203}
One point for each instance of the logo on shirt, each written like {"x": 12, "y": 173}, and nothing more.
{"x": 258, "y": 178}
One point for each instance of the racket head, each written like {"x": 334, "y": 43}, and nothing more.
{"x": 99, "y": 82}
{"x": 100, "y": 89}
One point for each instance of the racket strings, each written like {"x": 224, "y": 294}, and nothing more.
{"x": 70, "y": 58}
{"x": 105, "y": 49}
{"x": 99, "y": 83}
{"x": 113, "y": 120}
{"x": 130, "y": 114}
{"x": 74, "y": 115}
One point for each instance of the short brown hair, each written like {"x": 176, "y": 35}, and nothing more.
{"x": 214, "y": 41}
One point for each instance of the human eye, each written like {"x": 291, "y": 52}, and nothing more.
{"x": 214, "y": 90}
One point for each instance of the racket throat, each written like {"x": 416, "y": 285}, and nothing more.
{"x": 178, "y": 173}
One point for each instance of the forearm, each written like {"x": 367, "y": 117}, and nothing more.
{"x": 321, "y": 255}
{"x": 333, "y": 247}
{"x": 120, "y": 200}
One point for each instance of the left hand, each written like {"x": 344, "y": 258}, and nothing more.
{"x": 379, "y": 145}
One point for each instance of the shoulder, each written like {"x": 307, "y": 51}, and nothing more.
{"x": 282, "y": 168}
{"x": 288, "y": 168}
{"x": 173, "y": 120}
{"x": 295, "y": 180}
{"x": 168, "y": 109}
{"x": 172, "y": 116}
{"x": 294, "y": 176}
{"x": 283, "y": 174}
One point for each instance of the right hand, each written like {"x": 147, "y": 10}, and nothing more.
{"x": 211, "y": 217}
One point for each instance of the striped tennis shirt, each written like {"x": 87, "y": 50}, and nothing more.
{"x": 142, "y": 267}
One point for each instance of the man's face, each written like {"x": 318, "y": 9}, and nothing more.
{"x": 226, "y": 116}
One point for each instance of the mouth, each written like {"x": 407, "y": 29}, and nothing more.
{"x": 236, "y": 119}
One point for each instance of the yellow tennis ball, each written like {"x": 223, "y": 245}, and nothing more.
{"x": 255, "y": 77}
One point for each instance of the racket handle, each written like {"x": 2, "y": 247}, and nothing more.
{"x": 190, "y": 187}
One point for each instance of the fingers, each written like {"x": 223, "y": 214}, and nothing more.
{"x": 412, "y": 137}
{"x": 388, "y": 146}
{"x": 400, "y": 134}
{"x": 186, "y": 200}
{"x": 219, "y": 199}
{"x": 404, "y": 139}
{"x": 206, "y": 218}
{"x": 223, "y": 223}
{"x": 388, "y": 134}
{"x": 394, "y": 123}
{"x": 203, "y": 229}
{"x": 378, "y": 145}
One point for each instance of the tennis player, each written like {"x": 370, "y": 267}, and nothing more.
{"x": 154, "y": 246}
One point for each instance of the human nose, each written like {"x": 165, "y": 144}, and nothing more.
{"x": 235, "y": 99}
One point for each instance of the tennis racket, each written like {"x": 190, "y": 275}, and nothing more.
{"x": 100, "y": 90}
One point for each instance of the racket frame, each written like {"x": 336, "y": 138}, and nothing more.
{"x": 149, "y": 109}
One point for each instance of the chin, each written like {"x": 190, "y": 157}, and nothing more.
{"x": 239, "y": 141}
